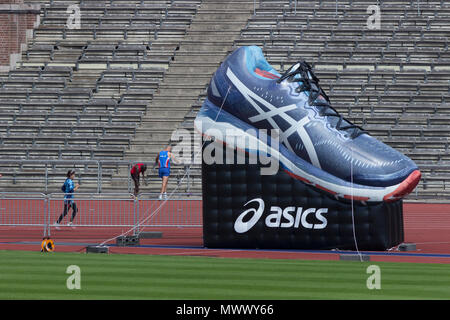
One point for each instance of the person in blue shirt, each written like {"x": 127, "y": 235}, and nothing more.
{"x": 69, "y": 188}
{"x": 163, "y": 159}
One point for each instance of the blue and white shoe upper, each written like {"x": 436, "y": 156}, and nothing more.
{"x": 317, "y": 145}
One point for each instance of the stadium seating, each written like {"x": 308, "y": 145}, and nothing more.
{"x": 136, "y": 70}
{"x": 393, "y": 81}
{"x": 80, "y": 93}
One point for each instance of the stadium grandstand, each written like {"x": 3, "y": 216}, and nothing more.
{"x": 110, "y": 91}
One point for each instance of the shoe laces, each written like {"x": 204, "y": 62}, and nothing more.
{"x": 302, "y": 72}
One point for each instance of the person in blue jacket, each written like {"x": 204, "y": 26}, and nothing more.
{"x": 69, "y": 188}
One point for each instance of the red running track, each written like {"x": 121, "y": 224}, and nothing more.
{"x": 427, "y": 225}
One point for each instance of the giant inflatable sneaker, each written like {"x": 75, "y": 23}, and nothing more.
{"x": 316, "y": 144}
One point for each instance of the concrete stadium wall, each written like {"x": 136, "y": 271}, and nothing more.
{"x": 17, "y": 21}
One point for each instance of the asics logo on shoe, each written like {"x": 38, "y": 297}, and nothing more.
{"x": 295, "y": 126}
{"x": 291, "y": 216}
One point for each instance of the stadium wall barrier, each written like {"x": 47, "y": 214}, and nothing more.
{"x": 23, "y": 209}
{"x": 43, "y": 172}
{"x": 101, "y": 210}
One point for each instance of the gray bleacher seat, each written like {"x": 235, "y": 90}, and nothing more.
{"x": 81, "y": 93}
{"x": 393, "y": 81}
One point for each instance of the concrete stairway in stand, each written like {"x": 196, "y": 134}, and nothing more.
{"x": 208, "y": 41}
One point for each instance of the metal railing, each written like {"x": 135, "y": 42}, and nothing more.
{"x": 23, "y": 209}
{"x": 293, "y": 3}
{"x": 100, "y": 210}
{"x": 50, "y": 175}
{"x": 52, "y": 172}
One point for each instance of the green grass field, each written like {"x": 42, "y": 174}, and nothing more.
{"x": 34, "y": 275}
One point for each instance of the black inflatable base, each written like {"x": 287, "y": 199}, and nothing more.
{"x": 244, "y": 209}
